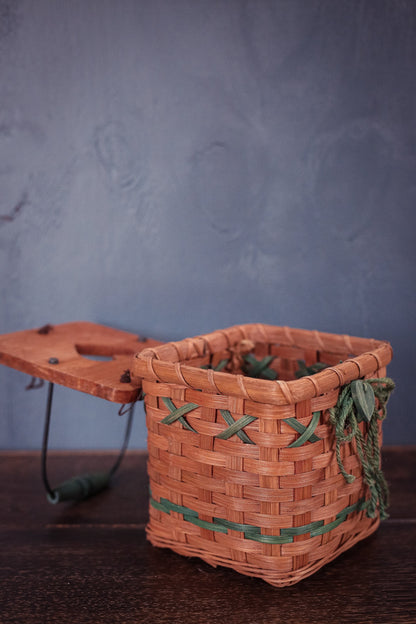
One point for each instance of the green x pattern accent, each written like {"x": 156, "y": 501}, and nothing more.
{"x": 254, "y": 533}
{"x": 178, "y": 413}
{"x": 259, "y": 368}
{"x": 235, "y": 427}
{"x": 307, "y": 433}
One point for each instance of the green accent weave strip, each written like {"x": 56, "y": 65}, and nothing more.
{"x": 254, "y": 533}
{"x": 259, "y": 368}
{"x": 236, "y": 427}
{"x": 205, "y": 525}
{"x": 218, "y": 367}
{"x": 178, "y": 413}
{"x": 307, "y": 433}
{"x": 309, "y": 370}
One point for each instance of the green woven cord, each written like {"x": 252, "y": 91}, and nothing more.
{"x": 221, "y": 525}
{"x": 345, "y": 418}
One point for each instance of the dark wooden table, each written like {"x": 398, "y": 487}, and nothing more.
{"x": 91, "y": 563}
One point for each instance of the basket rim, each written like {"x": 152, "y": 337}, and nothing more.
{"x": 165, "y": 363}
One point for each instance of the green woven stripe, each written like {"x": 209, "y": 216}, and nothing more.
{"x": 236, "y": 526}
{"x": 340, "y": 518}
{"x": 301, "y": 530}
{"x": 325, "y": 528}
{"x": 360, "y": 506}
{"x": 178, "y": 413}
{"x": 269, "y": 539}
{"x": 174, "y": 507}
{"x": 205, "y": 525}
{"x": 236, "y": 427}
{"x": 297, "y": 426}
{"x": 260, "y": 368}
{"x": 251, "y": 532}
{"x": 154, "y": 503}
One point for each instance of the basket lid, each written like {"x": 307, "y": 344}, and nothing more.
{"x": 64, "y": 354}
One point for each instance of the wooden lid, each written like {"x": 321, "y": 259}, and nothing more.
{"x": 58, "y": 353}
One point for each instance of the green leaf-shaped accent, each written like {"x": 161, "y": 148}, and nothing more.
{"x": 309, "y": 370}
{"x": 363, "y": 396}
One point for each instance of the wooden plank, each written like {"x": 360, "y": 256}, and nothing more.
{"x": 23, "y": 499}
{"x": 107, "y": 575}
{"x": 34, "y": 352}
{"x": 91, "y": 561}
{"x": 399, "y": 466}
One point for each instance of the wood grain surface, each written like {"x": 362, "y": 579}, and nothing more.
{"x": 62, "y": 354}
{"x": 91, "y": 562}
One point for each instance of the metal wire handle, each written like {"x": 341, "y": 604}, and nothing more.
{"x": 83, "y": 486}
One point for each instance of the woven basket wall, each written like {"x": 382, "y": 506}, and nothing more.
{"x": 268, "y": 501}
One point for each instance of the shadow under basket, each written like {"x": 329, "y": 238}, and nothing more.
{"x": 263, "y": 455}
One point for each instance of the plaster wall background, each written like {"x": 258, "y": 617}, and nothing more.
{"x": 171, "y": 168}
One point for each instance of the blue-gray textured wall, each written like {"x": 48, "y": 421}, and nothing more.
{"x": 174, "y": 167}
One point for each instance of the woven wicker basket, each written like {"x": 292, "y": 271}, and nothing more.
{"x": 243, "y": 470}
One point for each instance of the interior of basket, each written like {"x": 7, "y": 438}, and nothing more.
{"x": 271, "y": 361}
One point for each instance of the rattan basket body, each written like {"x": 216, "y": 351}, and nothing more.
{"x": 243, "y": 470}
